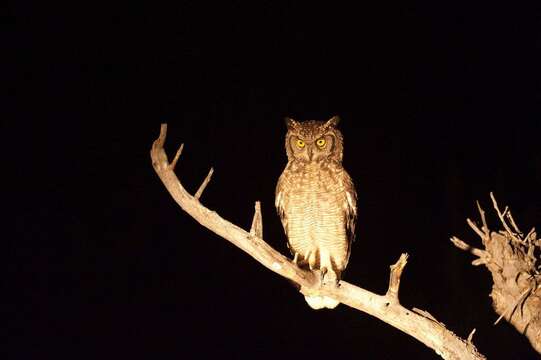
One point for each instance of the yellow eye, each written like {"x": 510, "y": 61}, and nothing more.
{"x": 321, "y": 142}
{"x": 300, "y": 143}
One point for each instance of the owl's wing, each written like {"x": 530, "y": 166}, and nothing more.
{"x": 280, "y": 204}
{"x": 350, "y": 211}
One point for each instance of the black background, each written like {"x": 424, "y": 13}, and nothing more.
{"x": 439, "y": 106}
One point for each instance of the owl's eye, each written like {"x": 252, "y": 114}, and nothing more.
{"x": 300, "y": 143}
{"x": 321, "y": 142}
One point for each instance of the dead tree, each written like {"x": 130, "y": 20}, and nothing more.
{"x": 512, "y": 259}
{"x": 416, "y": 323}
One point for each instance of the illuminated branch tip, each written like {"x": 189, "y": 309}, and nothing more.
{"x": 204, "y": 184}
{"x": 394, "y": 277}
{"x": 257, "y": 222}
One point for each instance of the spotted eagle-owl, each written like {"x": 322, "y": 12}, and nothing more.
{"x": 316, "y": 201}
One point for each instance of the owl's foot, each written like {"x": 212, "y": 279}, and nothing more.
{"x": 329, "y": 278}
{"x": 322, "y": 274}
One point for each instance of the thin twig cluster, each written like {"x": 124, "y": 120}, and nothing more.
{"x": 512, "y": 257}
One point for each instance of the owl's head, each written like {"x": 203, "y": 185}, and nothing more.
{"x": 314, "y": 141}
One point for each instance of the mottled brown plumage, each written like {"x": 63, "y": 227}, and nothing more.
{"x": 316, "y": 201}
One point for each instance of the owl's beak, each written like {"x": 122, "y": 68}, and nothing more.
{"x": 310, "y": 153}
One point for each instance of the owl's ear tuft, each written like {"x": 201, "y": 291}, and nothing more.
{"x": 290, "y": 123}
{"x": 332, "y": 122}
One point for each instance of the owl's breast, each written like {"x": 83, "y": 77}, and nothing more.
{"x": 314, "y": 204}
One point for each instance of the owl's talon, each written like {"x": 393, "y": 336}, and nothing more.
{"x": 322, "y": 274}
{"x": 329, "y": 278}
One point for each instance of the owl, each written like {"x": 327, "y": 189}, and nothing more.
{"x": 317, "y": 202}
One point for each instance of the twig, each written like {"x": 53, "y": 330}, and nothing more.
{"x": 427, "y": 315}
{"x": 476, "y": 229}
{"x": 511, "y": 309}
{"x": 394, "y": 276}
{"x": 257, "y": 222}
{"x": 204, "y": 184}
{"x": 529, "y": 236}
{"x": 510, "y": 217}
{"x": 177, "y": 155}
{"x": 470, "y": 336}
{"x": 484, "y": 220}
{"x": 466, "y": 247}
{"x": 502, "y": 219}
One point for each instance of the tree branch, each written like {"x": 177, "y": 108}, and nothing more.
{"x": 511, "y": 259}
{"x": 394, "y": 277}
{"x": 204, "y": 184}
{"x": 384, "y": 307}
{"x": 257, "y": 222}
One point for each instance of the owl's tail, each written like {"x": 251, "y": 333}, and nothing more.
{"x": 321, "y": 302}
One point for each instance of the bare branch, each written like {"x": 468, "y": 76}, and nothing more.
{"x": 470, "y": 337}
{"x": 511, "y": 259}
{"x": 427, "y": 315}
{"x": 476, "y": 229}
{"x": 530, "y": 236}
{"x": 257, "y": 222}
{"x": 177, "y": 155}
{"x": 484, "y": 221}
{"x": 479, "y": 261}
{"x": 394, "y": 276}
{"x": 254, "y": 246}
{"x": 385, "y": 308}
{"x": 511, "y": 309}
{"x": 502, "y": 219}
{"x": 204, "y": 184}
{"x": 482, "y": 255}
{"x": 462, "y": 245}
{"x": 510, "y": 217}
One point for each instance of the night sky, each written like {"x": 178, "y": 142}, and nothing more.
{"x": 440, "y": 104}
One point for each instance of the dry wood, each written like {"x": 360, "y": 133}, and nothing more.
{"x": 512, "y": 259}
{"x": 387, "y": 308}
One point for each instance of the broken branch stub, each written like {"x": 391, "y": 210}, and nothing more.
{"x": 395, "y": 275}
